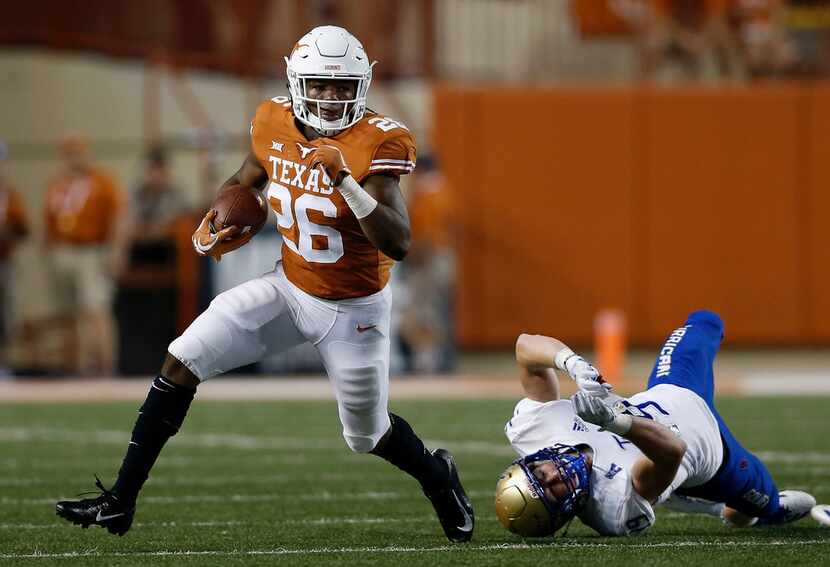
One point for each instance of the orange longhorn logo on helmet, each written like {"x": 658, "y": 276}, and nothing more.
{"x": 297, "y": 46}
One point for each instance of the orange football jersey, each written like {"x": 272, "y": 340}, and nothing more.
{"x": 758, "y": 11}
{"x": 325, "y": 252}
{"x": 692, "y": 14}
{"x": 12, "y": 219}
{"x": 82, "y": 209}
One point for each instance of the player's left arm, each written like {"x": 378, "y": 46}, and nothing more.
{"x": 535, "y": 356}
{"x": 387, "y": 226}
{"x": 539, "y": 357}
{"x": 663, "y": 451}
{"x": 378, "y": 204}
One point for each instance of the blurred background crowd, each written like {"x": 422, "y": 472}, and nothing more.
{"x": 121, "y": 119}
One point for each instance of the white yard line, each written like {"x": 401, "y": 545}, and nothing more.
{"x": 160, "y": 480}
{"x": 333, "y": 521}
{"x": 463, "y": 387}
{"x": 222, "y": 440}
{"x": 791, "y": 384}
{"x": 174, "y": 461}
{"x": 456, "y": 387}
{"x": 322, "y": 496}
{"x": 329, "y": 521}
{"x": 396, "y": 549}
{"x": 257, "y": 443}
{"x": 794, "y": 458}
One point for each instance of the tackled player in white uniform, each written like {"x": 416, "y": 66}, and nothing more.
{"x": 609, "y": 461}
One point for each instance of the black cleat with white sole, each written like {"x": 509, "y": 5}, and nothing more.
{"x": 105, "y": 510}
{"x": 452, "y": 505}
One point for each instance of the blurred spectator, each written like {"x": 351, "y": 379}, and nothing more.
{"x": 808, "y": 26}
{"x": 155, "y": 203}
{"x": 426, "y": 330}
{"x": 686, "y": 34}
{"x": 760, "y": 28}
{"x": 634, "y": 12}
{"x": 13, "y": 228}
{"x": 83, "y": 215}
{"x": 148, "y": 281}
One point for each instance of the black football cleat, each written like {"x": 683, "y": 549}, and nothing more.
{"x": 105, "y": 510}
{"x": 452, "y": 505}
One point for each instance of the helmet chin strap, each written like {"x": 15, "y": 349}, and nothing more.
{"x": 328, "y": 128}
{"x": 327, "y": 133}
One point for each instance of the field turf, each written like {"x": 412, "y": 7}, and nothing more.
{"x": 265, "y": 483}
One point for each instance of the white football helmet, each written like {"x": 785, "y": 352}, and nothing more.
{"x": 328, "y": 52}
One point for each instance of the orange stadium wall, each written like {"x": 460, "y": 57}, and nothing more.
{"x": 656, "y": 201}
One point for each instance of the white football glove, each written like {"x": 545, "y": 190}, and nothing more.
{"x": 586, "y": 376}
{"x": 593, "y": 410}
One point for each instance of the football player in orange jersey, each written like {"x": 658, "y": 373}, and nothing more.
{"x": 329, "y": 169}
{"x": 13, "y": 229}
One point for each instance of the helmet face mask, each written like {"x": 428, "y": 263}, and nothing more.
{"x": 323, "y": 54}
{"x": 522, "y": 504}
{"x": 344, "y": 100}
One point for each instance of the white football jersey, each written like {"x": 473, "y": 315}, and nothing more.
{"x": 615, "y": 508}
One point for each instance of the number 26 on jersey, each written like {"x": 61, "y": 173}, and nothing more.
{"x": 289, "y": 213}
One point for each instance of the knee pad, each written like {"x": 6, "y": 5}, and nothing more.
{"x": 202, "y": 343}
{"x": 359, "y": 389}
{"x": 359, "y": 375}
{"x": 363, "y": 415}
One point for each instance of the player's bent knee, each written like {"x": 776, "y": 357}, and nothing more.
{"x": 363, "y": 432}
{"x": 361, "y": 443}
{"x": 181, "y": 357}
{"x": 203, "y": 343}
{"x": 174, "y": 370}
{"x": 707, "y": 317}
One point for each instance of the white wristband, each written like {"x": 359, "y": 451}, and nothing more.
{"x": 561, "y": 357}
{"x": 620, "y": 425}
{"x": 360, "y": 202}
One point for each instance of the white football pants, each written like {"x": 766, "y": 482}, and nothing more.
{"x": 269, "y": 315}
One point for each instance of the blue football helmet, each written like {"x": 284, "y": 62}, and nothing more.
{"x": 522, "y": 505}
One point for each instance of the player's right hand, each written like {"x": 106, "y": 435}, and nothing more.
{"x": 208, "y": 242}
{"x": 593, "y": 410}
{"x": 587, "y": 377}
{"x": 331, "y": 160}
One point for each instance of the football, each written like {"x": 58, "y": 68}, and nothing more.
{"x": 242, "y": 206}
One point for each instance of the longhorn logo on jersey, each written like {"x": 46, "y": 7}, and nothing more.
{"x": 304, "y": 151}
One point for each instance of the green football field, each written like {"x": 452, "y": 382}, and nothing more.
{"x": 265, "y": 483}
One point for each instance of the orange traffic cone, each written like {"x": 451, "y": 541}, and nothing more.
{"x": 610, "y": 343}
